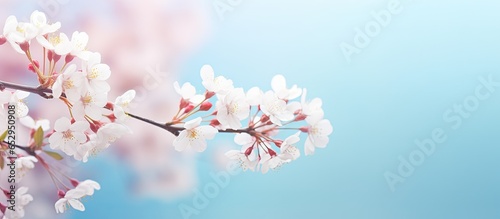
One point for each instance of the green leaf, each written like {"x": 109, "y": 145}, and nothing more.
{"x": 3, "y": 136}
{"x": 1, "y": 162}
{"x": 38, "y": 137}
{"x": 54, "y": 155}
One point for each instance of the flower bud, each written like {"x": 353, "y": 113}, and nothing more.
{"x": 3, "y": 208}
{"x": 278, "y": 143}
{"x": 272, "y": 153}
{"x": 209, "y": 94}
{"x": 214, "y": 122}
{"x": 109, "y": 106}
{"x": 56, "y": 57}
{"x": 68, "y": 58}
{"x": 2, "y": 40}
{"x": 32, "y": 68}
{"x": 74, "y": 182}
{"x": 189, "y": 108}
{"x": 25, "y": 46}
{"x": 183, "y": 104}
{"x": 264, "y": 118}
{"x": 61, "y": 193}
{"x": 111, "y": 117}
{"x": 50, "y": 55}
{"x": 304, "y": 129}
{"x": 95, "y": 126}
{"x": 300, "y": 117}
{"x": 205, "y": 106}
{"x": 248, "y": 151}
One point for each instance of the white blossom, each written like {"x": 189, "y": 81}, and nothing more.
{"x": 76, "y": 47}
{"x": 71, "y": 198}
{"x": 68, "y": 136}
{"x": 242, "y": 159}
{"x": 218, "y": 85}
{"x": 18, "y": 99}
{"x": 276, "y": 108}
{"x": 22, "y": 199}
{"x": 318, "y": 133}
{"x": 90, "y": 104}
{"x": 194, "y": 136}
{"x": 233, "y": 108}
{"x": 70, "y": 82}
{"x": 312, "y": 108}
{"x": 88, "y": 186}
{"x": 39, "y": 21}
{"x": 288, "y": 152}
{"x": 97, "y": 73}
{"x": 23, "y": 165}
{"x": 254, "y": 96}
{"x": 18, "y": 32}
{"x": 121, "y": 104}
{"x": 110, "y": 132}
{"x": 188, "y": 92}
{"x": 279, "y": 87}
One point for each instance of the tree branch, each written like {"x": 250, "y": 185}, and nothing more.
{"x": 43, "y": 92}
{"x": 26, "y": 149}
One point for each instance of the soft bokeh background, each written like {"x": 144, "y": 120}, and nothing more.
{"x": 395, "y": 91}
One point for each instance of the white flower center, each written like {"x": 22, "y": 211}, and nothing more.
{"x": 94, "y": 73}
{"x": 233, "y": 108}
{"x": 87, "y": 100}
{"x": 193, "y": 134}
{"x": 68, "y": 135}
{"x": 68, "y": 84}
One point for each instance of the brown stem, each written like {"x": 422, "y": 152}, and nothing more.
{"x": 43, "y": 92}
{"x": 176, "y": 130}
{"x": 26, "y": 149}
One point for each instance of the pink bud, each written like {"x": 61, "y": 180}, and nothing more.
{"x": 264, "y": 118}
{"x": 56, "y": 57}
{"x": 183, "y": 104}
{"x": 109, "y": 106}
{"x": 3, "y": 208}
{"x": 189, "y": 108}
{"x": 74, "y": 182}
{"x": 304, "y": 129}
{"x": 300, "y": 117}
{"x": 278, "y": 143}
{"x": 61, "y": 193}
{"x": 95, "y": 126}
{"x": 112, "y": 117}
{"x": 2, "y": 40}
{"x": 50, "y": 55}
{"x": 214, "y": 122}
{"x": 32, "y": 68}
{"x": 68, "y": 58}
{"x": 205, "y": 106}
{"x": 209, "y": 94}
{"x": 25, "y": 46}
{"x": 248, "y": 151}
{"x": 272, "y": 153}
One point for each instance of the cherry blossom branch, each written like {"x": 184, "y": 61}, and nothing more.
{"x": 36, "y": 90}
{"x": 176, "y": 130}
{"x": 168, "y": 127}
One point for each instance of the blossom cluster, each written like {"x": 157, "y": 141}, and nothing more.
{"x": 266, "y": 114}
{"x": 66, "y": 72}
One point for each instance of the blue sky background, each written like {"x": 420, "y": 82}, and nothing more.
{"x": 396, "y": 90}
